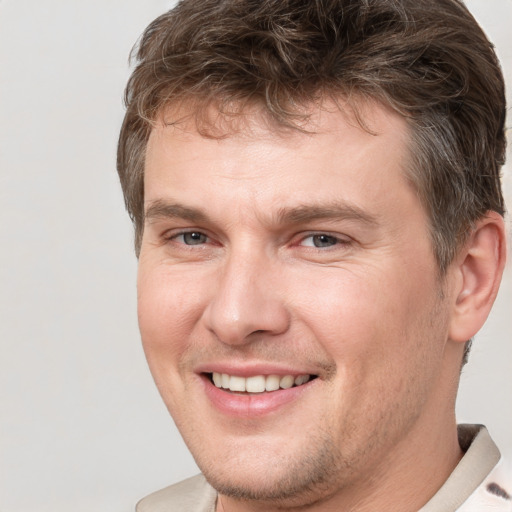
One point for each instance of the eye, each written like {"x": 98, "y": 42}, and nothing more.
{"x": 191, "y": 238}
{"x": 321, "y": 240}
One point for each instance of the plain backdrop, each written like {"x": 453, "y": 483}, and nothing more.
{"x": 82, "y": 427}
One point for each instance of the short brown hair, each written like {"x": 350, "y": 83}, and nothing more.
{"x": 426, "y": 59}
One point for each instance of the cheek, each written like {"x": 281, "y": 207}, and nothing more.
{"x": 345, "y": 305}
{"x": 381, "y": 337}
{"x": 370, "y": 325}
{"x": 168, "y": 308}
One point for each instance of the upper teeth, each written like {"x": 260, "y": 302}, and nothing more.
{"x": 257, "y": 383}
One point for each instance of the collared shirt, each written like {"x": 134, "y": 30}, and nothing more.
{"x": 481, "y": 482}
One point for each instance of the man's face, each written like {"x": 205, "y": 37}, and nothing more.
{"x": 277, "y": 257}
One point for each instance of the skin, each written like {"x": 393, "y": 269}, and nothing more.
{"x": 366, "y": 312}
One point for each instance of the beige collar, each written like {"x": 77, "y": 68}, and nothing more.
{"x": 480, "y": 458}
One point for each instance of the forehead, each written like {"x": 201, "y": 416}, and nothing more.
{"x": 251, "y": 168}
{"x": 328, "y": 138}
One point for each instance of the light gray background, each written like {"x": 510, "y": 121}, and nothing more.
{"x": 81, "y": 426}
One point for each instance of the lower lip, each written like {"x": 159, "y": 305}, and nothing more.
{"x": 253, "y": 405}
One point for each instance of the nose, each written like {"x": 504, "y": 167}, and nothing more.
{"x": 247, "y": 300}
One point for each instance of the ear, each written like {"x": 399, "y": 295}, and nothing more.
{"x": 479, "y": 267}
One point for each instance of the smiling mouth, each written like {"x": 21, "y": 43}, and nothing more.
{"x": 257, "y": 383}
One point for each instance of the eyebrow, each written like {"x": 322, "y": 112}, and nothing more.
{"x": 161, "y": 209}
{"x": 336, "y": 211}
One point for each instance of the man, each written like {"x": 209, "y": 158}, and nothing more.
{"x": 319, "y": 225}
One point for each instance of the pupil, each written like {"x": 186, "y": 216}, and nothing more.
{"x": 323, "y": 240}
{"x": 193, "y": 238}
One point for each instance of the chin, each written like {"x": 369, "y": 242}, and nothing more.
{"x": 288, "y": 479}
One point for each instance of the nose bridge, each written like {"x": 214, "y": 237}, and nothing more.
{"x": 245, "y": 300}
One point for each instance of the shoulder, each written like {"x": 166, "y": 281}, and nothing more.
{"x": 193, "y": 494}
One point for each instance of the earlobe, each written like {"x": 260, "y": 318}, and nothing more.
{"x": 480, "y": 267}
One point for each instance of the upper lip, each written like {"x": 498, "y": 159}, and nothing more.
{"x": 248, "y": 370}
